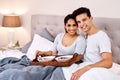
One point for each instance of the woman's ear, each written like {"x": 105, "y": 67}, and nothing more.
{"x": 65, "y": 29}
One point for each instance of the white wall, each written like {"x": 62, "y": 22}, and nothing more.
{"x": 26, "y": 8}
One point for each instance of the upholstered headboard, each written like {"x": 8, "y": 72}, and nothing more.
{"x": 55, "y": 25}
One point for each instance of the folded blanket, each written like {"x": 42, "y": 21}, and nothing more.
{"x": 10, "y": 60}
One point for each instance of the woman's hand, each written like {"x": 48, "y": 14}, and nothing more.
{"x": 77, "y": 74}
{"x": 43, "y": 53}
{"x": 39, "y": 53}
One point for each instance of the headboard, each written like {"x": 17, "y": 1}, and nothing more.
{"x": 55, "y": 25}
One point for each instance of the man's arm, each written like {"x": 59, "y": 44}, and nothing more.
{"x": 106, "y": 62}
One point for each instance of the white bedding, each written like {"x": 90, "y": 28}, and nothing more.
{"x": 16, "y": 53}
{"x": 116, "y": 68}
{"x": 11, "y": 53}
{"x": 108, "y": 75}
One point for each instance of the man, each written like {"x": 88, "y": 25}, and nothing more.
{"x": 98, "y": 51}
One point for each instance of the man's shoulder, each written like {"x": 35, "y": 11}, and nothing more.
{"x": 102, "y": 33}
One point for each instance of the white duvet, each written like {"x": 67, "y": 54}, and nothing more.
{"x": 95, "y": 73}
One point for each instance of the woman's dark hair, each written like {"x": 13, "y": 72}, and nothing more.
{"x": 69, "y": 16}
{"x": 81, "y": 10}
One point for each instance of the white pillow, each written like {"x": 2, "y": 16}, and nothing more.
{"x": 38, "y": 43}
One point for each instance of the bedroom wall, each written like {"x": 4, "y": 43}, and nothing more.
{"x": 27, "y": 8}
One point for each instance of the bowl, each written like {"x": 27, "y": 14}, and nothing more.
{"x": 64, "y": 58}
{"x": 46, "y": 58}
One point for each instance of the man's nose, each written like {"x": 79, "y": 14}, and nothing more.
{"x": 81, "y": 24}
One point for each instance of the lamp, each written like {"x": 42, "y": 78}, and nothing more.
{"x": 11, "y": 21}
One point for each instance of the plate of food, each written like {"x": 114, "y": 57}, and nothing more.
{"x": 64, "y": 58}
{"x": 45, "y": 58}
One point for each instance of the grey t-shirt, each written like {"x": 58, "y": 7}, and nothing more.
{"x": 78, "y": 46}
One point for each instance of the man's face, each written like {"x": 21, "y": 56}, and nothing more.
{"x": 84, "y": 22}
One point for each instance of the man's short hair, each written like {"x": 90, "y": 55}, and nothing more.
{"x": 82, "y": 10}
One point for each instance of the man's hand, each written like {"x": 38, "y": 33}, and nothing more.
{"x": 77, "y": 74}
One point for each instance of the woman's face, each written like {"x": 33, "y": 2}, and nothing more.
{"x": 71, "y": 27}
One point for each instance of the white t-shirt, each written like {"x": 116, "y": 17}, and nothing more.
{"x": 96, "y": 44}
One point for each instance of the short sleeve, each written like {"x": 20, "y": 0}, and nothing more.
{"x": 104, "y": 44}
{"x": 80, "y": 45}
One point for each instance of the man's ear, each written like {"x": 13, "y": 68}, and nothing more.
{"x": 91, "y": 18}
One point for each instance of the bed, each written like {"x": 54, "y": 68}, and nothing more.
{"x": 48, "y": 26}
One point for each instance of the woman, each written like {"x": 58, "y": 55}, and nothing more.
{"x": 67, "y": 43}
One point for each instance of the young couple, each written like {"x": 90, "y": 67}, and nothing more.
{"x": 95, "y": 53}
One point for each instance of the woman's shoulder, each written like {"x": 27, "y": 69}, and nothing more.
{"x": 60, "y": 34}
{"x": 80, "y": 37}
{"x": 80, "y": 40}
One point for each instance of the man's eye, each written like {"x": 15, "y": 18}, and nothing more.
{"x": 84, "y": 19}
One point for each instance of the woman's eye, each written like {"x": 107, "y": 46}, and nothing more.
{"x": 74, "y": 25}
{"x": 69, "y": 25}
